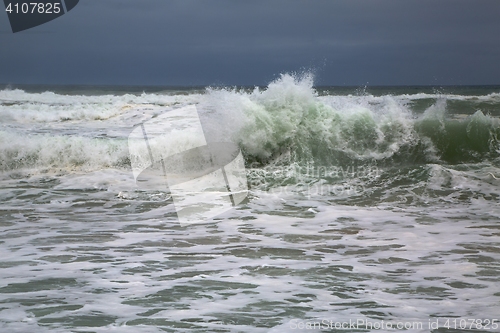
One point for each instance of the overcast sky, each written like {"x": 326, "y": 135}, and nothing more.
{"x": 245, "y": 42}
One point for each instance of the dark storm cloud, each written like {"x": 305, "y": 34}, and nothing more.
{"x": 250, "y": 42}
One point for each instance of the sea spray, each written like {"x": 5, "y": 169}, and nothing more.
{"x": 289, "y": 122}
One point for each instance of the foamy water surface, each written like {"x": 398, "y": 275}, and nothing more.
{"x": 362, "y": 207}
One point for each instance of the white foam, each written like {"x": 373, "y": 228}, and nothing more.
{"x": 24, "y": 107}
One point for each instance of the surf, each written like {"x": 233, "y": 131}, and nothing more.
{"x": 290, "y": 122}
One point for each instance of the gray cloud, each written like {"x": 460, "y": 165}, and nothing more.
{"x": 189, "y": 42}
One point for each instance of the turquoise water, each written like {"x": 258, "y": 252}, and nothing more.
{"x": 377, "y": 205}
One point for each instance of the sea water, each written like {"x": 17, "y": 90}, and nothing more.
{"x": 368, "y": 209}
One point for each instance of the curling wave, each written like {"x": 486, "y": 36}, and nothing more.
{"x": 290, "y": 122}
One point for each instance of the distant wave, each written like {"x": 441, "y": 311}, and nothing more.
{"x": 20, "y": 106}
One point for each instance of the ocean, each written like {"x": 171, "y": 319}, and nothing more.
{"x": 368, "y": 209}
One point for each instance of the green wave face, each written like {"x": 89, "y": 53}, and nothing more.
{"x": 290, "y": 122}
